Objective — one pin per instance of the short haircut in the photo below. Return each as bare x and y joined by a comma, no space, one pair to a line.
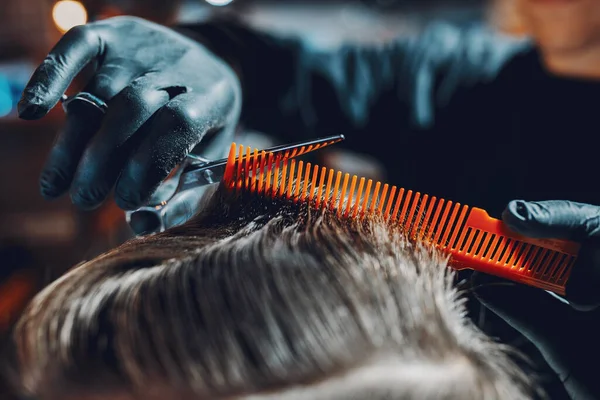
261,298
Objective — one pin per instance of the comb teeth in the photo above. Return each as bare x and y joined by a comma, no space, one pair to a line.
280,176
469,235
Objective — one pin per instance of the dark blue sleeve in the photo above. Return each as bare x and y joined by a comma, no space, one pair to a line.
369,93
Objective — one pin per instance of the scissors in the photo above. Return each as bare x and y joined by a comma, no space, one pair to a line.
196,172
190,176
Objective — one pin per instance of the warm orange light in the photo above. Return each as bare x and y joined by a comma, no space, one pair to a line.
69,13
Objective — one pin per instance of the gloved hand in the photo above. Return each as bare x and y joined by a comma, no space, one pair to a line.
166,94
566,335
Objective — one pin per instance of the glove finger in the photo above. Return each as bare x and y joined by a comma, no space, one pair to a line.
173,132
82,122
51,79
539,317
557,219
109,150
111,78
583,286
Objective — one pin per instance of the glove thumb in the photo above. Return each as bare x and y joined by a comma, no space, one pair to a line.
561,219
557,219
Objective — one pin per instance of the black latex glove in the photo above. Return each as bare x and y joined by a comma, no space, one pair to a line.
566,335
165,93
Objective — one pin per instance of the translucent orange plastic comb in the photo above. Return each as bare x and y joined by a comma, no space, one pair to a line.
470,236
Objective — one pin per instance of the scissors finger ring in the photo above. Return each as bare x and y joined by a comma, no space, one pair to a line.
85,97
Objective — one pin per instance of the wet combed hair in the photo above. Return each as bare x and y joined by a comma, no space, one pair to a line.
261,299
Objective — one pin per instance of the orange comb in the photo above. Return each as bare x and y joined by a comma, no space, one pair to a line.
470,236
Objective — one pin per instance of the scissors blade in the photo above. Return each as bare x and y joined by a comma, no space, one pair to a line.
306,146
203,175
213,172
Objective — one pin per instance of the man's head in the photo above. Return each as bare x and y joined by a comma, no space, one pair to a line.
567,32
259,299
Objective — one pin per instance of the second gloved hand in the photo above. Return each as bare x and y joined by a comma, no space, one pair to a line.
568,220
566,335
166,95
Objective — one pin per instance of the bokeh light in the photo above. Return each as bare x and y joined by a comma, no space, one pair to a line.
6,100
218,2
69,13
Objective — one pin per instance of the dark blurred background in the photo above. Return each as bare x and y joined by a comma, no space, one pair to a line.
38,239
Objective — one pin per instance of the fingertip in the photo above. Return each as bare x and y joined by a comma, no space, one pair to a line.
53,183
138,182
49,191
126,197
36,99
527,218
88,198
126,203
28,111
516,212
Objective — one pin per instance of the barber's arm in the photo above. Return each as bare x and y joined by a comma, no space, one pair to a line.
566,334
292,88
